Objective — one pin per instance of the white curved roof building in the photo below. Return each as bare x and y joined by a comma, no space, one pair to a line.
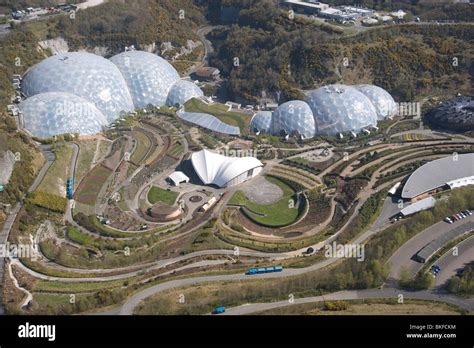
223,171
149,77
294,117
340,108
381,99
445,172
182,91
86,75
53,113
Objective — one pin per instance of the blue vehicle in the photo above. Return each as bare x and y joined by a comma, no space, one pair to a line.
251,271
262,270
69,188
436,269
219,310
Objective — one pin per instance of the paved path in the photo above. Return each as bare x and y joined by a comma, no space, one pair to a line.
355,295
7,226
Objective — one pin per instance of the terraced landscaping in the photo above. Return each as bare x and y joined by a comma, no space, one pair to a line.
300,176
89,188
143,146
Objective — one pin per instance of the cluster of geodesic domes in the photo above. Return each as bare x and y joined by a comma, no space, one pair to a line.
328,110
454,114
81,92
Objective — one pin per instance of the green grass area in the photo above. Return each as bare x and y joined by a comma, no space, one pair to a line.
85,158
55,180
157,194
142,148
90,187
276,214
238,119
208,141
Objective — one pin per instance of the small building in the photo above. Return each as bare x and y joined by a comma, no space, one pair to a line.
208,205
164,213
207,74
398,14
271,106
423,204
394,189
178,178
370,21
233,105
385,18
307,7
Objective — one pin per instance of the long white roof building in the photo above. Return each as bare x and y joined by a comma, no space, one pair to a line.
223,171
453,171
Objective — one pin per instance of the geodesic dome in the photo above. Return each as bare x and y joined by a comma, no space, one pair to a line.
340,108
262,122
294,116
149,77
86,75
182,91
53,113
456,114
380,98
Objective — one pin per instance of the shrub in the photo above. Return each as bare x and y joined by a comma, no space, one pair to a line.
49,201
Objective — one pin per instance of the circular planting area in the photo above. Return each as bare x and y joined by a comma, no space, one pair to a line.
195,199
282,209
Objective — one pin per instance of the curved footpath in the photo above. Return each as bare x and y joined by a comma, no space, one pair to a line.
356,295
402,256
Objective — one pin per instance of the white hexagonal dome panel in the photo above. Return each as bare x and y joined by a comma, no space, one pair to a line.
340,108
149,77
182,91
381,99
48,114
294,116
86,75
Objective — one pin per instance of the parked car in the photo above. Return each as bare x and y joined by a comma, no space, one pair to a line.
219,310
448,220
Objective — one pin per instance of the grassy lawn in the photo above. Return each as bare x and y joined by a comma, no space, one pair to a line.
238,119
275,214
143,145
55,180
85,158
157,194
